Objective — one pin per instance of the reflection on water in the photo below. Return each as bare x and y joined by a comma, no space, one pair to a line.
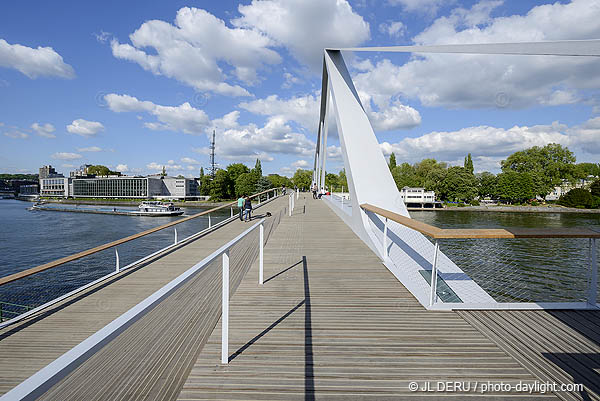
31,238
535,270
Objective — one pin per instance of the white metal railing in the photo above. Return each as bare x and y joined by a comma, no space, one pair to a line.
119,269
591,291
44,379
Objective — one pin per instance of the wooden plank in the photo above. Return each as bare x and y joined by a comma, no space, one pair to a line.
435,232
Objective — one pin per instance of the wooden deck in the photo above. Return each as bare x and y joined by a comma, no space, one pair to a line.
330,323
30,345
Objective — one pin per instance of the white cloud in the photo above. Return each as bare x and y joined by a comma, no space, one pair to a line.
68,165
306,27
90,149
123,168
66,156
192,49
154,166
490,145
16,134
45,130
43,61
300,164
290,80
184,118
251,142
85,128
395,29
169,167
189,160
473,81
302,109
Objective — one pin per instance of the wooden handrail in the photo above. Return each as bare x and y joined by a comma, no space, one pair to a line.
436,232
61,261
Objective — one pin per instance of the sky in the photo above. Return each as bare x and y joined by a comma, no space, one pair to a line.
141,84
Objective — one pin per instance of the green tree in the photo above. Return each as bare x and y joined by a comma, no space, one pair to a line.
587,169
515,186
302,179
428,173
577,197
486,184
257,169
263,184
458,185
332,181
235,170
205,185
343,180
245,184
595,188
201,173
547,166
220,185
469,164
404,175
101,170
392,161
279,181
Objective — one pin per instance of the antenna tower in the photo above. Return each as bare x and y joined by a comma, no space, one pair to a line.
213,168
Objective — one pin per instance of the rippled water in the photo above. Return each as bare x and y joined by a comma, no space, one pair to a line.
30,238
535,270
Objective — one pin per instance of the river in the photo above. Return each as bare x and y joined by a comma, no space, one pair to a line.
534,270
30,238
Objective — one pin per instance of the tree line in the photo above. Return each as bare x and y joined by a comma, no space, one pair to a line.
525,175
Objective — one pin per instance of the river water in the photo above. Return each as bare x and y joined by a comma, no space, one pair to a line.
30,238
524,270
532,270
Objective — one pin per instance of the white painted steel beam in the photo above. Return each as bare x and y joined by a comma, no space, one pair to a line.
550,48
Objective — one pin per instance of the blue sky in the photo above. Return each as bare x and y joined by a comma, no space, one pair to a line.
140,84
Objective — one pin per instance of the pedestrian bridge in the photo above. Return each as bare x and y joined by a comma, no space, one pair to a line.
330,321
319,299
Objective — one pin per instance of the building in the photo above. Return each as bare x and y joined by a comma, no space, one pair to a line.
82,171
48,172
82,185
29,190
566,186
110,187
419,198
55,187
158,187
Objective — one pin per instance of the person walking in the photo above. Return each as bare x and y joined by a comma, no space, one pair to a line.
247,209
314,190
241,201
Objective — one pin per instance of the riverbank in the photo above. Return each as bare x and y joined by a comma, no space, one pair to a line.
198,204
512,209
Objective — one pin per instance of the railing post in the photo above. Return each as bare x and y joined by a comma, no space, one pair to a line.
433,295
117,268
297,193
267,196
225,311
261,237
385,235
209,221
231,211
175,235
593,285
290,205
